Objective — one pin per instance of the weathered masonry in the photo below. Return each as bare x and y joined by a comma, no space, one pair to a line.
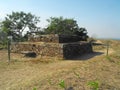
62,46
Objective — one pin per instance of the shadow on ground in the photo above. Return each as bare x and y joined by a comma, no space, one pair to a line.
86,56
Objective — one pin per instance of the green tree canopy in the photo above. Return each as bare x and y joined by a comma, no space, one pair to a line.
59,25
17,22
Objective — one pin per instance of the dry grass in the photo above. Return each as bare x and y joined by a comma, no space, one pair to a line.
45,73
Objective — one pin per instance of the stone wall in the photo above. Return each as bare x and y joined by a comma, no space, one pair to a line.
44,49
69,38
56,38
45,38
66,50
76,49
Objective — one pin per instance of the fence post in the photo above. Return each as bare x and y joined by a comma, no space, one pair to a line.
8,51
107,48
9,43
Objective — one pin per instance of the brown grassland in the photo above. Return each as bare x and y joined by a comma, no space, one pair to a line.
45,73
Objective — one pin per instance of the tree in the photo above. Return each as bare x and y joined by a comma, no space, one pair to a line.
61,26
15,23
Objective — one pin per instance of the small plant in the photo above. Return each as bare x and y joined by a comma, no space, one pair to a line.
94,85
62,84
34,88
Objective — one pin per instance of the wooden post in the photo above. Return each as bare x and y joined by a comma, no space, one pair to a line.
8,51
9,43
107,48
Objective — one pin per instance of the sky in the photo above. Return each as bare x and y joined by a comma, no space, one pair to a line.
101,18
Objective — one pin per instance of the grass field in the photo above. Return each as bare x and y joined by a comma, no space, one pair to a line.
89,72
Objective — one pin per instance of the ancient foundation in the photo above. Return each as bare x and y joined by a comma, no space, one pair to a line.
60,50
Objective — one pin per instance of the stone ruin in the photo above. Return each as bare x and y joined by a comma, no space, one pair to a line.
61,46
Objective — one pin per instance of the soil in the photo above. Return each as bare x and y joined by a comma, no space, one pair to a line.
45,73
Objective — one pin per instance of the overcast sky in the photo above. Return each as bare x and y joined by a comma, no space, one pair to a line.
101,18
